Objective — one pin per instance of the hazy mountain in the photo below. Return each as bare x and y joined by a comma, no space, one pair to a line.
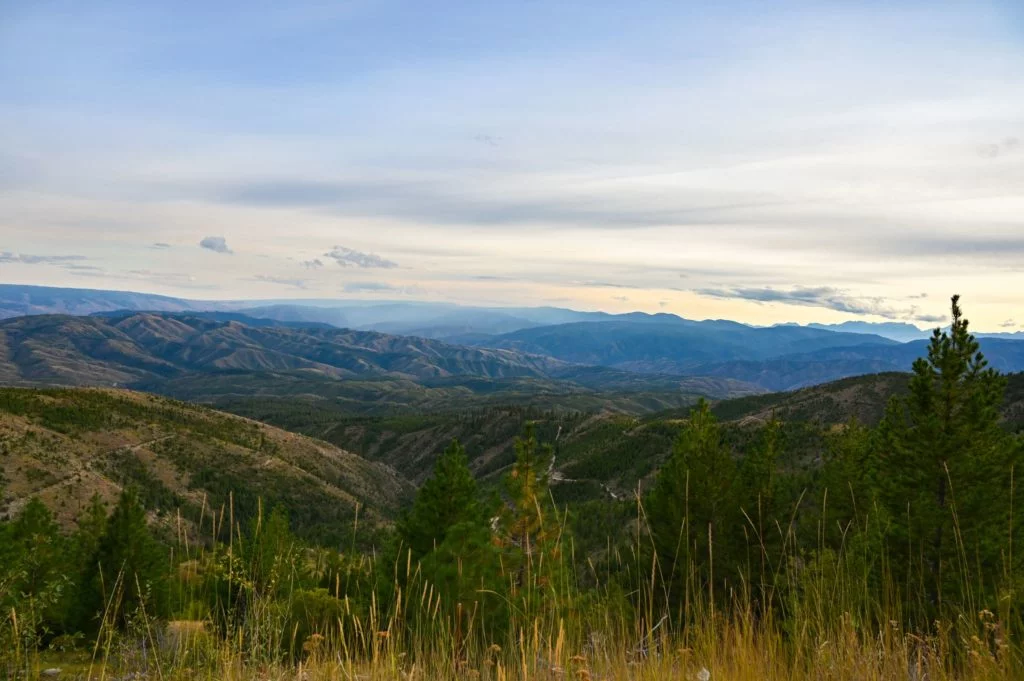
17,301
669,344
897,331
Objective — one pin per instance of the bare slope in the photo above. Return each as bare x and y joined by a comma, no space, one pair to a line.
65,445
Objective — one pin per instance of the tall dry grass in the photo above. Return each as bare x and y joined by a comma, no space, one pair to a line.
554,623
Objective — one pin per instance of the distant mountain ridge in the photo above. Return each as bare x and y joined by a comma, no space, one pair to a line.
199,354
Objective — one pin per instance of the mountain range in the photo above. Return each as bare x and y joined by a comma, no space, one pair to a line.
419,354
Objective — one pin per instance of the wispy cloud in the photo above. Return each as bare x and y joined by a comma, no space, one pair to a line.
1009,324
368,287
27,259
348,257
283,281
217,244
313,264
824,297
160,246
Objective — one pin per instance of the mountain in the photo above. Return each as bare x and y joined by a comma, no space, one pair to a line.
897,331
64,445
669,344
18,301
426,319
202,357
93,350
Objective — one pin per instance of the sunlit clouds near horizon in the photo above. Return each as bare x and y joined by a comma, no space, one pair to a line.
764,162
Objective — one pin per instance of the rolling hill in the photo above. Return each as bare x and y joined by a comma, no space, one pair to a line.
64,445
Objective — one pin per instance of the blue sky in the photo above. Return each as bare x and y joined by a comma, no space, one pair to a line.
757,161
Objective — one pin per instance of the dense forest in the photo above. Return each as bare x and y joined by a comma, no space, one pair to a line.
888,551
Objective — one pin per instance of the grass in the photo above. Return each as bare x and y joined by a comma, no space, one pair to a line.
242,618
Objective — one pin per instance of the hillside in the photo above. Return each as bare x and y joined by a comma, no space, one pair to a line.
803,369
599,453
861,397
66,445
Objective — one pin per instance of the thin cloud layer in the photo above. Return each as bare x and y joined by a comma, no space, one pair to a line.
348,257
823,297
283,281
27,259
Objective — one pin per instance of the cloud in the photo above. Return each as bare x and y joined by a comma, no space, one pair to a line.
621,299
1009,324
1005,146
348,257
26,259
821,296
662,303
368,287
216,244
283,281
437,203
313,264
159,245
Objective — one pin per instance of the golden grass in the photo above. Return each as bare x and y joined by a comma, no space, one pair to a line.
570,633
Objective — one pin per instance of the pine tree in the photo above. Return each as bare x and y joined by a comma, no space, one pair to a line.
39,547
131,565
692,502
269,550
33,577
447,498
756,492
949,475
92,526
531,531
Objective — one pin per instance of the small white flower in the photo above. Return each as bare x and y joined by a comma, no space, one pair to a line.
703,674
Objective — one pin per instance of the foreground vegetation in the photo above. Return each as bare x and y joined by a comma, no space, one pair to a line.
893,557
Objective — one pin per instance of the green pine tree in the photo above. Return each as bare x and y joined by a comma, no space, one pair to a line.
447,498
948,475
131,566
692,504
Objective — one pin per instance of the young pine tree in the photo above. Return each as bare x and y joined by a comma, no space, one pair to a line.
692,504
949,486
446,499
130,566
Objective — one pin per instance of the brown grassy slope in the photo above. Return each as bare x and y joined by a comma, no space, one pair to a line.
65,445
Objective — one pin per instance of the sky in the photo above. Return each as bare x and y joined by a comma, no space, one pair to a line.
764,162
